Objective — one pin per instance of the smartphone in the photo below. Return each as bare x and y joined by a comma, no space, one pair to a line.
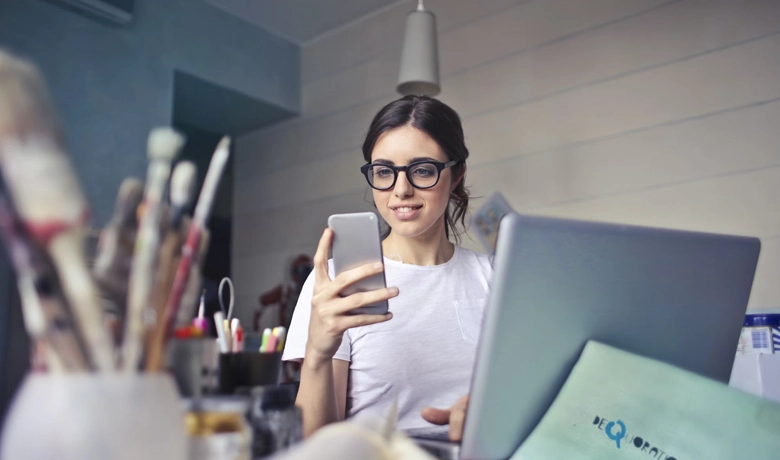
356,242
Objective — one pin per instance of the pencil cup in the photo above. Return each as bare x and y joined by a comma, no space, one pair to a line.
195,365
242,371
95,417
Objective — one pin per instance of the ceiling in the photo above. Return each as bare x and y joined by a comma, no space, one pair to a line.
301,21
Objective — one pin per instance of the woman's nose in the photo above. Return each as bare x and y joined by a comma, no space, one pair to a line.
402,186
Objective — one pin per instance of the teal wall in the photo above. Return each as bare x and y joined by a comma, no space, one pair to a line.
113,84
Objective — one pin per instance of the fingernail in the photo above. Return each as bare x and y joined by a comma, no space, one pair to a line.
393,291
378,265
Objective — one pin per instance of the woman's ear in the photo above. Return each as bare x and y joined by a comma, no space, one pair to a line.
461,177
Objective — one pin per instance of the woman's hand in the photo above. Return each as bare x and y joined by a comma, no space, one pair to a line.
454,416
330,315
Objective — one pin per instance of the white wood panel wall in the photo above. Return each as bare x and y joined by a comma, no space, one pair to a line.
663,113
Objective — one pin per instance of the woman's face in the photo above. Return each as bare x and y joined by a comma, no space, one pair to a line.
412,212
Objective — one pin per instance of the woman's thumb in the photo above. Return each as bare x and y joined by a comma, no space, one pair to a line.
436,416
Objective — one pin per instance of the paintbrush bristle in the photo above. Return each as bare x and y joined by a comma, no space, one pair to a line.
25,106
164,144
224,144
182,182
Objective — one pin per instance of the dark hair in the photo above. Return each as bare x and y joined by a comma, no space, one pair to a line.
442,124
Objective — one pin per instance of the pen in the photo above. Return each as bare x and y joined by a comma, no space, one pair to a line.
238,338
228,333
281,334
266,338
271,345
200,321
222,342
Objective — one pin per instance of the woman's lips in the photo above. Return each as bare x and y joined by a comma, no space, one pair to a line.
406,212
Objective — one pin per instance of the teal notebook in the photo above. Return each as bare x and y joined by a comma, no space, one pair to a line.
616,405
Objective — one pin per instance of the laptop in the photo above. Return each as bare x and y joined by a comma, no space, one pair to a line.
675,296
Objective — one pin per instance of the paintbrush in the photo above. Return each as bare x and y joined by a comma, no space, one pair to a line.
182,188
46,316
182,191
189,298
115,246
46,195
164,145
192,244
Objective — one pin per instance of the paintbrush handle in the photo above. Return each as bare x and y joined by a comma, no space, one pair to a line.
45,319
165,273
211,183
182,275
191,296
48,199
111,268
164,329
68,256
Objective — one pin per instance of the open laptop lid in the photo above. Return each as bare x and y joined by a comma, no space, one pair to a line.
679,297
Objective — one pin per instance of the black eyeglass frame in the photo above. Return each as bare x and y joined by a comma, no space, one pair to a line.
396,169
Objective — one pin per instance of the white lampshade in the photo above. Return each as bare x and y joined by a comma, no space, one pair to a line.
419,73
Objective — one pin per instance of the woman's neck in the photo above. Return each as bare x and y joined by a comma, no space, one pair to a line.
431,248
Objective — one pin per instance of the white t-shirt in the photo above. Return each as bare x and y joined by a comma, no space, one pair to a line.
426,352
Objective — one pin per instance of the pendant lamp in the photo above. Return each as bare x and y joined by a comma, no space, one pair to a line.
419,74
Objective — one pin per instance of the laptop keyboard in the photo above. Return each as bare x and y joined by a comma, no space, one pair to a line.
435,433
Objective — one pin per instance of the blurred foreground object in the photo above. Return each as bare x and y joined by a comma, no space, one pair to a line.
45,192
364,437
92,416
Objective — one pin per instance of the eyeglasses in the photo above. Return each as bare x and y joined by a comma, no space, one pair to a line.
421,174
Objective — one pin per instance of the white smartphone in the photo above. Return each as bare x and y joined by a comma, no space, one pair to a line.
356,242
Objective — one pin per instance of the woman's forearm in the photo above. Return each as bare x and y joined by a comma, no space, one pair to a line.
317,395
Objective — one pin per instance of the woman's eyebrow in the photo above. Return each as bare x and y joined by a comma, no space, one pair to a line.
415,160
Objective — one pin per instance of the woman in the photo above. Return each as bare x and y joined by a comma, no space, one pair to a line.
423,349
